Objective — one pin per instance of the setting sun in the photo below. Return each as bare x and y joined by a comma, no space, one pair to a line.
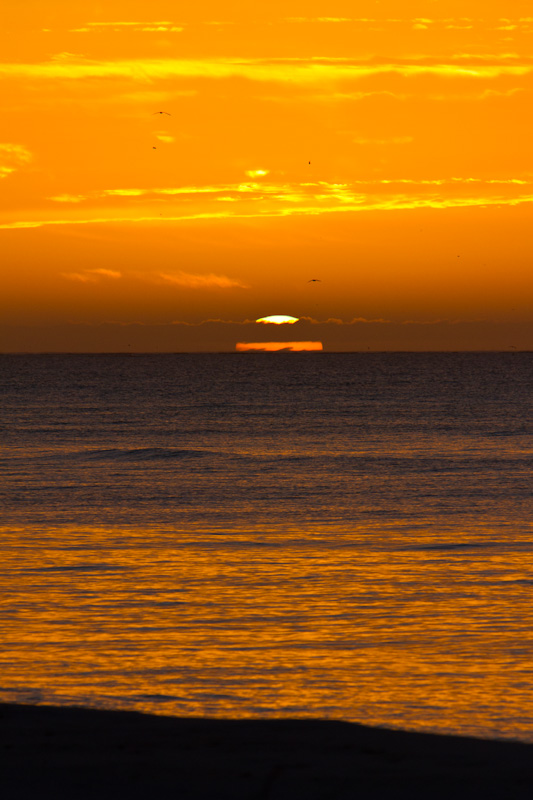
278,319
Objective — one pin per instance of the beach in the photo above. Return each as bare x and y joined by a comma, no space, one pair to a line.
59,752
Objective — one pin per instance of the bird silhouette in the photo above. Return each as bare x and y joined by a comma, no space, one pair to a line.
162,112
314,280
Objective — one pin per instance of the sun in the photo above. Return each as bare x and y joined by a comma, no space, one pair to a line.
278,319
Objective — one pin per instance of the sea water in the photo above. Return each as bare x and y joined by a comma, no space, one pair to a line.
279,534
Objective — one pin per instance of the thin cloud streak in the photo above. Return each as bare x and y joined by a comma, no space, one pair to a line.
391,203
81,277
309,70
128,27
106,273
68,198
91,275
178,278
521,24
365,192
200,281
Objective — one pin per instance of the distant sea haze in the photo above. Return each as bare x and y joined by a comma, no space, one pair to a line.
283,535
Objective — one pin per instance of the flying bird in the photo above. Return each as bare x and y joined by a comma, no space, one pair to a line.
161,112
314,280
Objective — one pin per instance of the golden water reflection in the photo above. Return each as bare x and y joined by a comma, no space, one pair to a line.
424,634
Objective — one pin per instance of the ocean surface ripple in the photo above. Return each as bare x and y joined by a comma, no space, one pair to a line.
291,534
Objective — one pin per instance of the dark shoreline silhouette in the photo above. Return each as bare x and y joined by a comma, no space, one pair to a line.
84,754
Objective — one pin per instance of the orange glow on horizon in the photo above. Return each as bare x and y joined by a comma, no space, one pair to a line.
274,347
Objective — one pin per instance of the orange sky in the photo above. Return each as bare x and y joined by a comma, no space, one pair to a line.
415,210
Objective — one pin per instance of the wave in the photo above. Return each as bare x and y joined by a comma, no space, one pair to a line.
460,546
147,454
112,454
78,568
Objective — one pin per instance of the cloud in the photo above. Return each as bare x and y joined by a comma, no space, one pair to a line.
178,278
518,24
307,191
17,152
254,200
256,173
106,273
124,192
281,70
164,26
201,281
163,136
128,24
469,97
82,277
91,275
68,198
247,189
12,158
397,202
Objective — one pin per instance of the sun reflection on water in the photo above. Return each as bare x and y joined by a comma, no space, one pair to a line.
352,625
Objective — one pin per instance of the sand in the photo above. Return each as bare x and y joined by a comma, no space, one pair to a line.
74,754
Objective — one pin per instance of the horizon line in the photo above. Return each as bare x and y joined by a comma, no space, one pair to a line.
366,351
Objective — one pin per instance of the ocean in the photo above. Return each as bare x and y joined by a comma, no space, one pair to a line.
324,535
